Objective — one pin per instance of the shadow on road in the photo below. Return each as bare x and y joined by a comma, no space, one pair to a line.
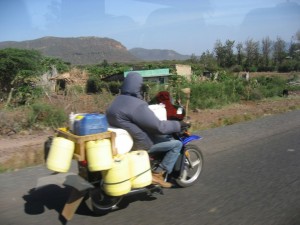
54,197
51,197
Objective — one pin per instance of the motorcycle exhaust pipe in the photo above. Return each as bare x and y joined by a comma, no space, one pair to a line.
149,190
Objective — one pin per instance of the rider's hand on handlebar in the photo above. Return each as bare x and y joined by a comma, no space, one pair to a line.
184,125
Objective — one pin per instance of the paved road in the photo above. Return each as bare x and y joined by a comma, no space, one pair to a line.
251,177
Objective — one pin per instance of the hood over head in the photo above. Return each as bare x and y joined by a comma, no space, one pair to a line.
132,85
163,96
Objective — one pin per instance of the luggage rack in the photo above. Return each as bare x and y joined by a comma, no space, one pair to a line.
79,153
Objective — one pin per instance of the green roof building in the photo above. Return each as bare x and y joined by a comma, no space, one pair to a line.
156,75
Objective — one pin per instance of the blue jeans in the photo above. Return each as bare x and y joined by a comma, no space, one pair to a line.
172,148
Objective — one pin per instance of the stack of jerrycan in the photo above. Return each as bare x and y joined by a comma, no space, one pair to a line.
121,173
130,170
60,154
62,150
86,124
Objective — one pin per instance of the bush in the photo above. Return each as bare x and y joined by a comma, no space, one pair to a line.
17,65
236,68
253,69
13,120
208,95
265,69
113,87
264,87
26,94
254,94
92,86
47,115
288,66
271,86
75,90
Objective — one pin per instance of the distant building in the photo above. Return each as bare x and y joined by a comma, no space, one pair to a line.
160,76
61,82
184,70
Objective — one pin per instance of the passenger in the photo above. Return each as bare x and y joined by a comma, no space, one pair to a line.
174,111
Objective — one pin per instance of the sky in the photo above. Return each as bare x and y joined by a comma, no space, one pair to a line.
185,26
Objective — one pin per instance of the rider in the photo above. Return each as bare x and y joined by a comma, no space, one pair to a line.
130,112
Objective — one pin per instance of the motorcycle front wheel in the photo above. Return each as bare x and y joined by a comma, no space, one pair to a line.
192,168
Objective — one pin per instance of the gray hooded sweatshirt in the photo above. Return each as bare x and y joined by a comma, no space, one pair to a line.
128,111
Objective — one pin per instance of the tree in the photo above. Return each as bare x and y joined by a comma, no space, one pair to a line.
266,51
60,65
279,51
229,56
252,53
208,61
298,35
294,50
104,63
193,58
240,55
18,64
224,53
219,52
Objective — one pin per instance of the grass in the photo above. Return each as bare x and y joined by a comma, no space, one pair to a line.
34,154
54,109
236,113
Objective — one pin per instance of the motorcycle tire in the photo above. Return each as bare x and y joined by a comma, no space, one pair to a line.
192,167
100,203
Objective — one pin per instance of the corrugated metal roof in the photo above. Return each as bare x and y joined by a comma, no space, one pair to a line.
151,73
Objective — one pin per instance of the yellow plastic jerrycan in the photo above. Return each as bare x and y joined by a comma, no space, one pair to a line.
140,169
117,179
99,155
60,154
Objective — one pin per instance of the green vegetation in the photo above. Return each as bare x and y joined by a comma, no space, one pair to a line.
47,115
17,65
229,88
22,70
26,105
49,62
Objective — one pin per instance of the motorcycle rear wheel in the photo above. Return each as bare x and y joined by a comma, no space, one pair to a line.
192,167
100,203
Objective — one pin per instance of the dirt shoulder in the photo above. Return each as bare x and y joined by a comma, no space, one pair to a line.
234,113
21,150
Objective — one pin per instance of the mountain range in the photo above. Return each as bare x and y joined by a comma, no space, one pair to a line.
92,50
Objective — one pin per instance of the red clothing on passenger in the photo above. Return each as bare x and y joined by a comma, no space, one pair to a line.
164,97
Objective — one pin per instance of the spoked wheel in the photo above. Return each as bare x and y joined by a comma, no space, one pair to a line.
192,166
100,203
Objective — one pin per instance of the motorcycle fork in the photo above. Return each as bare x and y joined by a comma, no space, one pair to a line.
185,156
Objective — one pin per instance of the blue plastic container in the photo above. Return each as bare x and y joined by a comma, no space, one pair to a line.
90,124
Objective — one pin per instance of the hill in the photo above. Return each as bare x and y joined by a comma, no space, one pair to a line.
92,50
157,54
81,50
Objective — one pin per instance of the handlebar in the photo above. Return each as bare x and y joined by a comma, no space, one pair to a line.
185,126
184,130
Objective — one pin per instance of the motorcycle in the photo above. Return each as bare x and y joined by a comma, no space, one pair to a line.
185,173
88,187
